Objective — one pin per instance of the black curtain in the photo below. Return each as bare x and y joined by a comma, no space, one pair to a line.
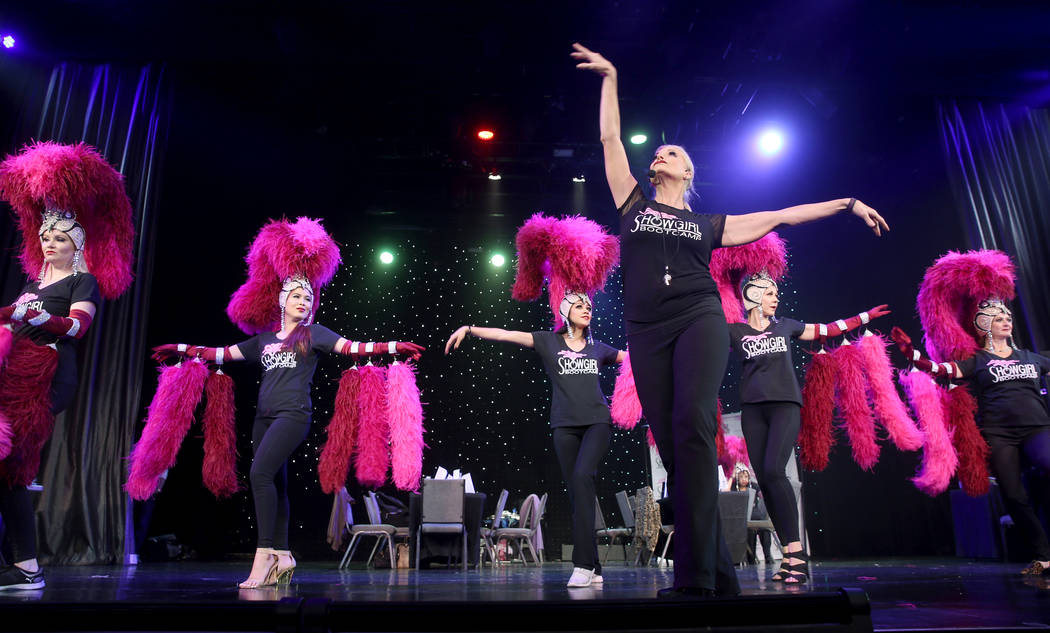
124,113
999,163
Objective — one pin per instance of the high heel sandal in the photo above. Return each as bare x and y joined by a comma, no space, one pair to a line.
798,573
284,575
785,569
269,579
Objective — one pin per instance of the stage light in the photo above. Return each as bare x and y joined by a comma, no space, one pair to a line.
486,135
494,175
770,142
498,260
638,139
579,178
9,41
386,257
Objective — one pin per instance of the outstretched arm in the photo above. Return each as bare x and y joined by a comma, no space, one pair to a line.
748,227
617,168
814,330
218,355
360,350
73,326
903,341
491,333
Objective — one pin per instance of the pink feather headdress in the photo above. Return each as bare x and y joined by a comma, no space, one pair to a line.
949,294
732,265
281,250
574,254
49,177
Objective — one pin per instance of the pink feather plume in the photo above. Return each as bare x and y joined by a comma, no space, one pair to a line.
730,265
7,341
649,439
735,452
970,447
575,253
405,413
948,297
279,250
168,419
219,470
6,440
372,456
852,400
25,386
939,460
626,409
74,178
889,409
815,438
338,449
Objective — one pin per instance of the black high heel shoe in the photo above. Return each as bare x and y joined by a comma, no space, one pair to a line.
798,573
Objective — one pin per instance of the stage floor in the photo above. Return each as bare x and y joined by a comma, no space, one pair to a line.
904,594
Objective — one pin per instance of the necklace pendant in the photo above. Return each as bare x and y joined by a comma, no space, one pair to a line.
667,279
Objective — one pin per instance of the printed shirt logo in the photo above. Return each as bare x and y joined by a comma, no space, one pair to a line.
653,221
762,344
28,299
571,362
1003,370
274,357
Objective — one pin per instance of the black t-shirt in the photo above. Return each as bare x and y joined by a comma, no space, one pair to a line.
287,376
576,396
1008,388
653,235
768,371
56,300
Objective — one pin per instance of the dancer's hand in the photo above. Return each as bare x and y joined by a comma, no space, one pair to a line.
410,349
902,340
456,338
871,217
166,352
590,60
878,311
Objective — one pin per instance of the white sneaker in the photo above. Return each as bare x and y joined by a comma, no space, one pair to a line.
596,579
580,577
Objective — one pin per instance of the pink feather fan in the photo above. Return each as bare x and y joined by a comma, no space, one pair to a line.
626,409
735,452
574,253
219,470
282,249
970,448
852,400
889,409
72,178
25,386
405,412
168,419
948,297
338,449
939,460
372,455
730,265
815,437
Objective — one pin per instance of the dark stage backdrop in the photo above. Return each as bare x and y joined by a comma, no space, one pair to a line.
123,112
242,152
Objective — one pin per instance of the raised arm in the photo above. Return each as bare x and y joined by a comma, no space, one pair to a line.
903,341
490,333
813,330
748,227
617,168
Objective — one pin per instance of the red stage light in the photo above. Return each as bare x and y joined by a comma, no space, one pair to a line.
486,135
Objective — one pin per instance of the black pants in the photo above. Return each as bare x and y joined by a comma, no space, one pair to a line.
1008,446
274,438
678,368
771,431
16,505
765,539
580,450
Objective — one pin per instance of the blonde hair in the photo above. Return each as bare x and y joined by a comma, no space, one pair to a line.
690,191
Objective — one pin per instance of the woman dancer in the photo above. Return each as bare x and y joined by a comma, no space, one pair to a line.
48,185
288,358
579,414
676,327
1011,415
771,403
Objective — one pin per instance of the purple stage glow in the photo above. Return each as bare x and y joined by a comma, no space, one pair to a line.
770,142
9,41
